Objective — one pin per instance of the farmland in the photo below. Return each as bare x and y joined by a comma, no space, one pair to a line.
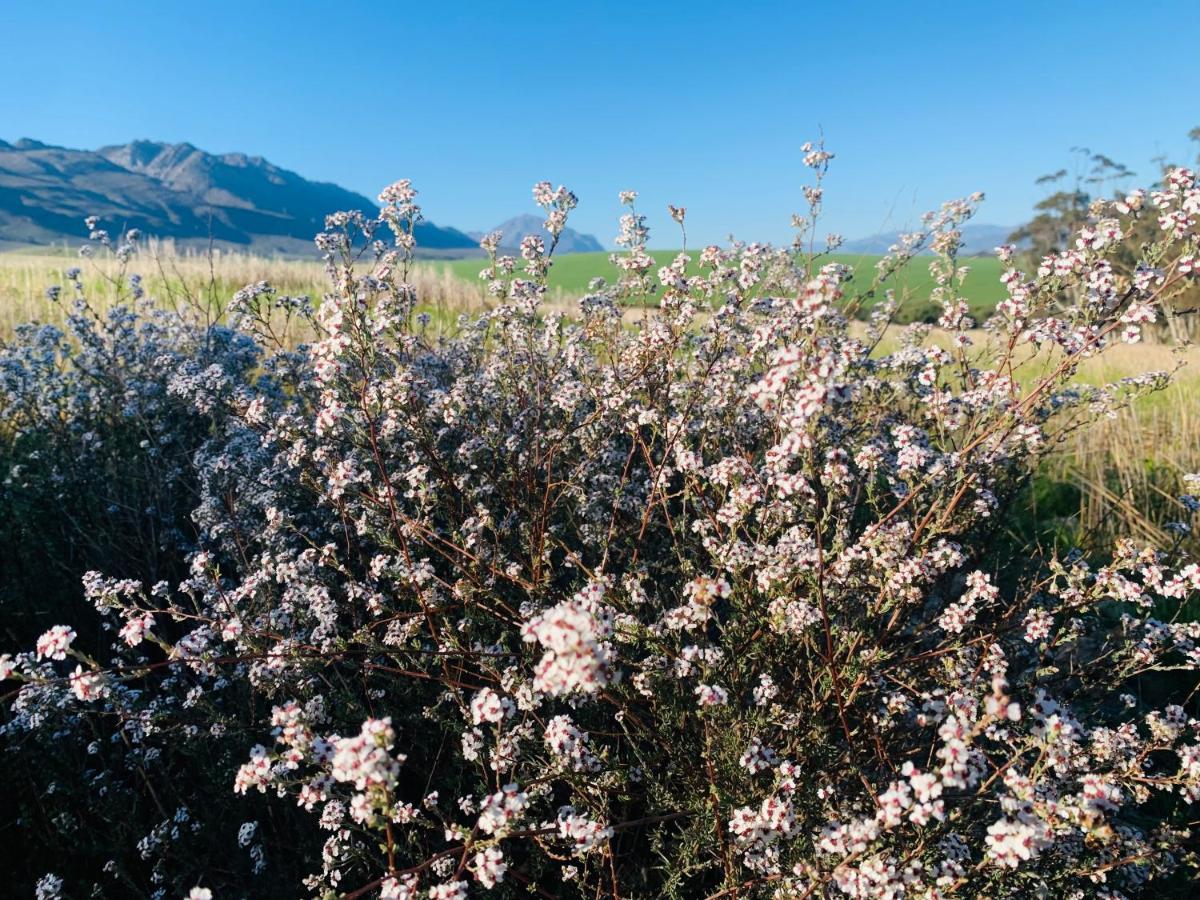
571,274
445,287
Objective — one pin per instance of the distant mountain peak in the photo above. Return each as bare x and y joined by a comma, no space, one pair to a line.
516,229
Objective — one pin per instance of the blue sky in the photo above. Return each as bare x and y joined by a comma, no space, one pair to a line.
699,104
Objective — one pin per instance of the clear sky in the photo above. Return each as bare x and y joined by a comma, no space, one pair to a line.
703,104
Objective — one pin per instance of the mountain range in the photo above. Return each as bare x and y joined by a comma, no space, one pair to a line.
978,240
177,191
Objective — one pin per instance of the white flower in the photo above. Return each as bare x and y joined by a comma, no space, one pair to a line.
711,695
489,866
451,890
55,643
488,706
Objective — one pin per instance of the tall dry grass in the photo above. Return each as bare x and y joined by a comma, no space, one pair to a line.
1121,476
1127,471
174,276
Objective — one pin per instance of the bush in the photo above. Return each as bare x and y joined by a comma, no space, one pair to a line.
100,426
713,604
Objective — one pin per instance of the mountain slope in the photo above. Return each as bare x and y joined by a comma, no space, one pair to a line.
46,192
177,191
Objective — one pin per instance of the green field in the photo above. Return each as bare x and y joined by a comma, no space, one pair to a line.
453,284
571,273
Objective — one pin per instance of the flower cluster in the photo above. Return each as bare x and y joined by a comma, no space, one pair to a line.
572,633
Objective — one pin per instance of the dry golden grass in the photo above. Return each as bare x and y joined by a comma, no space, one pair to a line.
172,277
1128,470
1122,475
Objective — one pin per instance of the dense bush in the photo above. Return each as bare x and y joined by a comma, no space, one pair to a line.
717,602
100,430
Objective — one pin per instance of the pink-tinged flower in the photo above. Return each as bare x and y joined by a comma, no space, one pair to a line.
364,760
1038,625
255,774
451,890
231,629
577,657
758,757
135,629
402,887
489,867
584,833
488,706
398,192
711,695
502,808
55,643
1011,842
570,745
87,686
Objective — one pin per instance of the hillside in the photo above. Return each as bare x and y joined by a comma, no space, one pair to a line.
176,191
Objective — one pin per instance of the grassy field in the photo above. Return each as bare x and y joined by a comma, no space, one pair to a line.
174,278
570,275
444,286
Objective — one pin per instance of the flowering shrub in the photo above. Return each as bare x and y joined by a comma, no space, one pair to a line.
719,603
